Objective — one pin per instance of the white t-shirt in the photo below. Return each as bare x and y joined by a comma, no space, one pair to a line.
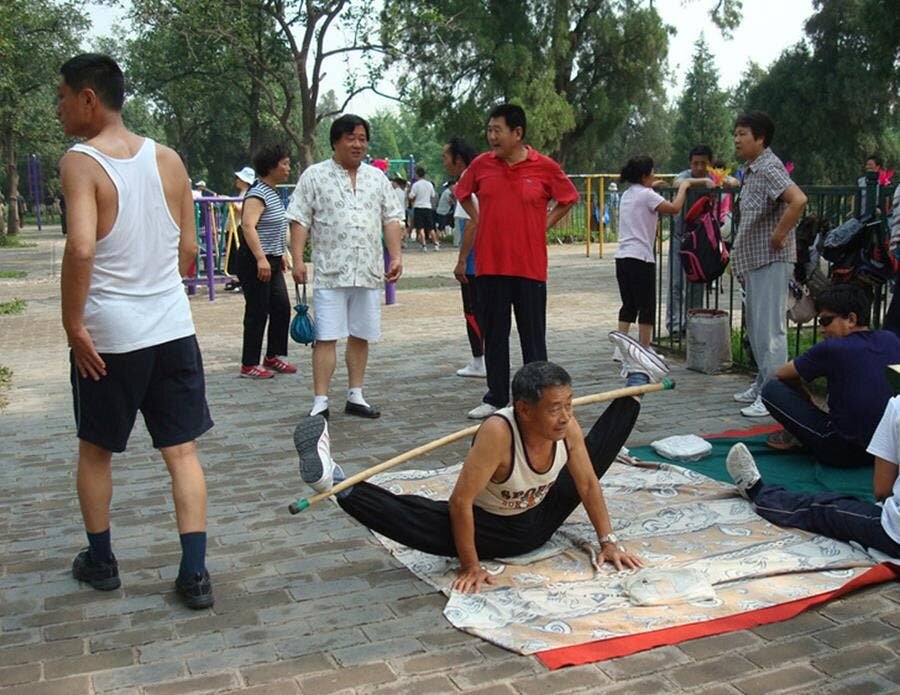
637,222
421,193
884,445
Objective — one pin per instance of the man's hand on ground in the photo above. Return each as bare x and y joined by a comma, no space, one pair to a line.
87,360
471,581
618,556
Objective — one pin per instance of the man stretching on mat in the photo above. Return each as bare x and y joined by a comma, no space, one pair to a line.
529,467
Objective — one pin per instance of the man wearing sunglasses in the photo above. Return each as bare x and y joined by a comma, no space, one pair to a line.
852,359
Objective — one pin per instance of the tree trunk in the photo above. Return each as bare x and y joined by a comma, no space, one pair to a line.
12,178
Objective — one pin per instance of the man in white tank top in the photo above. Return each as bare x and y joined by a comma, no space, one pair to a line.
131,237
529,467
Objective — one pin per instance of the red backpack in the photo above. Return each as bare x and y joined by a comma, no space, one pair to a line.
704,255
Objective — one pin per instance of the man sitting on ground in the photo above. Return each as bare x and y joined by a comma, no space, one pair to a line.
833,514
852,359
527,470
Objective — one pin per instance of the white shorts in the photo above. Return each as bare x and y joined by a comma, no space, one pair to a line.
343,311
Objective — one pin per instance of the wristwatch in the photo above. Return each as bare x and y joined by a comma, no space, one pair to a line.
609,538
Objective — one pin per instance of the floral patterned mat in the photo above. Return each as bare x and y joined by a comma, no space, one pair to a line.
692,533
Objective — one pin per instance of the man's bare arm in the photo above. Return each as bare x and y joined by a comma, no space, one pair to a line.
557,213
79,189
883,478
796,200
465,247
490,447
393,239
588,488
298,236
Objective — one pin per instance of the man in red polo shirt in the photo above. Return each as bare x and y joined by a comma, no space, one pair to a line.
514,185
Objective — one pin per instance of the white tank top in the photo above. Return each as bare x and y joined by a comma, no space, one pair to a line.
136,297
524,487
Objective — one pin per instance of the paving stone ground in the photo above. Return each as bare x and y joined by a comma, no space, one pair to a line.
311,604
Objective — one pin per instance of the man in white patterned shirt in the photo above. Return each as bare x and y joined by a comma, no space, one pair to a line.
770,205
345,205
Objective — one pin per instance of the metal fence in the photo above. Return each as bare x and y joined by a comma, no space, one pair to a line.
594,222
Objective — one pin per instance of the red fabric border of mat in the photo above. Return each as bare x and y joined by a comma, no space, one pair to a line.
613,647
753,431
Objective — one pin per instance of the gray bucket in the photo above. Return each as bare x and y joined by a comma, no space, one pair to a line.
708,340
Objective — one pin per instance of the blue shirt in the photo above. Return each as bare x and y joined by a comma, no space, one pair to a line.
858,389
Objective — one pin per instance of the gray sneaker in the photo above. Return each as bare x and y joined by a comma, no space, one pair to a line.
637,358
313,447
742,468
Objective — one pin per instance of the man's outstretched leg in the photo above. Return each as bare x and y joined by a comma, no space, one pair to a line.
416,522
829,514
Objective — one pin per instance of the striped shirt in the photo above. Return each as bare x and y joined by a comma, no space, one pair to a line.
272,224
761,207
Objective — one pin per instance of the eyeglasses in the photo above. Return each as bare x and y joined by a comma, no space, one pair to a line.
825,321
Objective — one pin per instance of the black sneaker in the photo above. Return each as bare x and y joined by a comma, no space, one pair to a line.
103,576
195,591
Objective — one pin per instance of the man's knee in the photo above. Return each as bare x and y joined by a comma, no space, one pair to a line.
775,390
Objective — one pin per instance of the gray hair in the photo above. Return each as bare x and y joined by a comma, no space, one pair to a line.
530,381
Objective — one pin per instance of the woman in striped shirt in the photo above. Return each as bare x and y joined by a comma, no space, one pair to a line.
261,266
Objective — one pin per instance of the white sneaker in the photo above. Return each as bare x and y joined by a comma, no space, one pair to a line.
617,354
482,411
314,448
638,358
755,409
748,396
474,368
742,468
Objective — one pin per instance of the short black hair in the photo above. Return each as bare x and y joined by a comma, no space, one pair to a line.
98,72
347,124
420,172
700,151
875,158
530,381
636,169
266,157
843,300
460,149
513,114
759,123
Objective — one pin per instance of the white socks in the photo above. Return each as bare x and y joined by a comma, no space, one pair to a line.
355,396
320,403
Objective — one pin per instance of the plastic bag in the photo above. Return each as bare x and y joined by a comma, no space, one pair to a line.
682,447
666,587
303,330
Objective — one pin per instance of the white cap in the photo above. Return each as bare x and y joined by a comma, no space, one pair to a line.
200,184
247,175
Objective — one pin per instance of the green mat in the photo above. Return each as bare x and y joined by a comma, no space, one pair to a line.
792,470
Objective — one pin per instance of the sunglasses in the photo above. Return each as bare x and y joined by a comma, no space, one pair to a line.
826,320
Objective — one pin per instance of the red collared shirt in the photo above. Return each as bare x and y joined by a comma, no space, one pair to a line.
512,211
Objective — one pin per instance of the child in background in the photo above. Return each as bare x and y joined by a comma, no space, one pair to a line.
639,212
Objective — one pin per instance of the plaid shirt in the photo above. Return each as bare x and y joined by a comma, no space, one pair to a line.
765,179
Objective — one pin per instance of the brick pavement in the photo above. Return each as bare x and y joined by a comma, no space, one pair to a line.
311,604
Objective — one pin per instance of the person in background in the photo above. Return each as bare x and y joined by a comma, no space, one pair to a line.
514,185
458,154
261,266
347,207
421,194
243,179
765,249
639,212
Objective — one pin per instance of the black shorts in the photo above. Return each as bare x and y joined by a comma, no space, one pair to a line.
165,382
637,287
423,218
